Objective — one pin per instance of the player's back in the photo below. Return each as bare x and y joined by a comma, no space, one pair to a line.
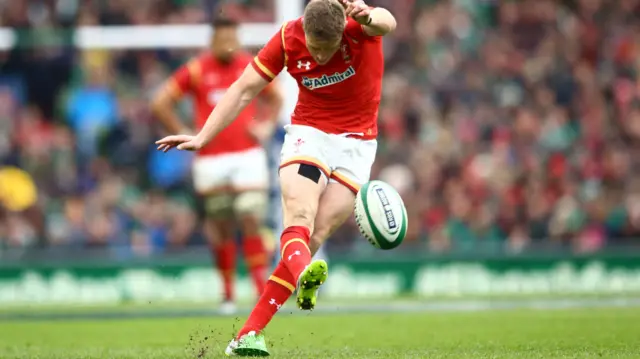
343,95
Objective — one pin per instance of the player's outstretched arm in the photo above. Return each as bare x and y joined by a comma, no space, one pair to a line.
237,97
375,21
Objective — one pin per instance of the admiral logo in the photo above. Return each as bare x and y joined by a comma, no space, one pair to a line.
391,219
324,81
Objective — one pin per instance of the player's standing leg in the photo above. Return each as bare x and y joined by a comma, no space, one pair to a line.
251,182
211,182
275,203
220,233
255,254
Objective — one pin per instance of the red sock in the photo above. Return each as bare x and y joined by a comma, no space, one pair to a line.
225,257
278,289
256,258
294,247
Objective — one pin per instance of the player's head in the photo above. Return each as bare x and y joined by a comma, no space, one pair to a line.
224,42
324,23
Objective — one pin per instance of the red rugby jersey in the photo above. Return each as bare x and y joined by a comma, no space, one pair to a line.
339,97
206,79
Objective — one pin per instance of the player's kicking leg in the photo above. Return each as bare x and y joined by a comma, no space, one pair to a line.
336,205
332,206
300,208
302,185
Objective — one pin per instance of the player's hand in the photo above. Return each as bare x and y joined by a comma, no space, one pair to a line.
358,10
262,131
180,142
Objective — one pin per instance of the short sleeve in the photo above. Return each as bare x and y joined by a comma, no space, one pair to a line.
182,81
356,30
270,61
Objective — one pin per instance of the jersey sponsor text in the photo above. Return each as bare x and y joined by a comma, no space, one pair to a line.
327,80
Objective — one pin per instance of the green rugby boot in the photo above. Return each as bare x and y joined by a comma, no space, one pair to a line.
309,282
249,345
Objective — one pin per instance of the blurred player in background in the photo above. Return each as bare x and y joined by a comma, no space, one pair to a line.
231,174
335,54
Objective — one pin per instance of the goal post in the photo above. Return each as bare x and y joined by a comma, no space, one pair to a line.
145,36
163,36
168,36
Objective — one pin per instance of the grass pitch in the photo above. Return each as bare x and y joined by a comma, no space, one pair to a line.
566,333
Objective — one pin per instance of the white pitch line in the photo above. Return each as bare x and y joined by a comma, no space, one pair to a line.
393,307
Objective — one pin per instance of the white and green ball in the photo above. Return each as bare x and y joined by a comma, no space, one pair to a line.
381,215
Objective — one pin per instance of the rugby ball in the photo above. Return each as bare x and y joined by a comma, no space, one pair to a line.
381,215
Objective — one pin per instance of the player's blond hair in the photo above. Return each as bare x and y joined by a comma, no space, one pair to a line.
324,19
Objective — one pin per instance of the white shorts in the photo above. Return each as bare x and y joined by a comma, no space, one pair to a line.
240,170
341,158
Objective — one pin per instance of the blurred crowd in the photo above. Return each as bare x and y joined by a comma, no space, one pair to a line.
507,126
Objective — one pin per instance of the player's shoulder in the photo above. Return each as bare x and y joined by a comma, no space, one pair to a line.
355,30
292,31
195,65
293,40
294,26
202,59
